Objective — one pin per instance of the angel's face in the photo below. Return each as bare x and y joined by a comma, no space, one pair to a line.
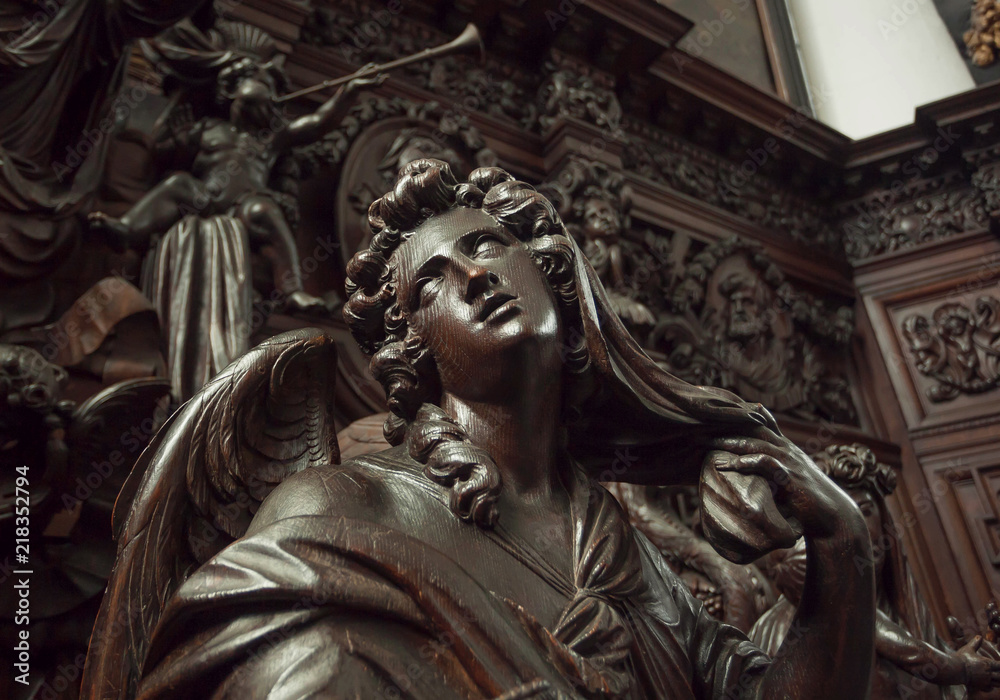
472,292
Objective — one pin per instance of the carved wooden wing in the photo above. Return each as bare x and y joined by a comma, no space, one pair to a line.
197,486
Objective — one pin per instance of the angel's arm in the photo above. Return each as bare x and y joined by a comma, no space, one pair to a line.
833,633
897,645
966,666
313,127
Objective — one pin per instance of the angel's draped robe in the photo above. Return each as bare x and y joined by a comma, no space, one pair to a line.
350,583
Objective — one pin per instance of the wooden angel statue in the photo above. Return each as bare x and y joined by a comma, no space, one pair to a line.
478,556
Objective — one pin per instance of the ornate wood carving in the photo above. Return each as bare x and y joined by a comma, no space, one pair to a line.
737,188
360,33
594,203
986,176
734,593
72,459
496,348
734,322
982,39
573,89
958,346
925,211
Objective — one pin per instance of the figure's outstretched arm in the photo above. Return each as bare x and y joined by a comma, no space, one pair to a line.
832,636
313,127
963,667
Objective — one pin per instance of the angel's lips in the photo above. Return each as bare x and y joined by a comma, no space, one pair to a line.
494,303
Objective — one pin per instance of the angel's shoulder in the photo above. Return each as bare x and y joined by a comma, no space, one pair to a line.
359,487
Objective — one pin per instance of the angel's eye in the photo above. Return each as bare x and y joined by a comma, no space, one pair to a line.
427,284
488,246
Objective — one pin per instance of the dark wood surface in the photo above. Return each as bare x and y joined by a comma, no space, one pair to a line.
888,228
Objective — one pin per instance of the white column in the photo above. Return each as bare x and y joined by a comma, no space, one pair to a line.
870,63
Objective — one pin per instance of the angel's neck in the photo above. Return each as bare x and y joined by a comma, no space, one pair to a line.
522,437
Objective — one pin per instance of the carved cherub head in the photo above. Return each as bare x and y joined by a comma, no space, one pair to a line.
601,219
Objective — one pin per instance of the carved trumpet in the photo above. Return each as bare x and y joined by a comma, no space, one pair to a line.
467,42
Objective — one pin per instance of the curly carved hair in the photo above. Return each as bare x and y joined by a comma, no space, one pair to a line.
401,362
855,466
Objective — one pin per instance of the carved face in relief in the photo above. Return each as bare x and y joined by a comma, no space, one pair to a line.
922,343
251,87
600,219
744,317
955,324
483,307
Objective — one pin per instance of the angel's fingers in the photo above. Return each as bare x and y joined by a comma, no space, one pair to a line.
757,464
747,446
768,435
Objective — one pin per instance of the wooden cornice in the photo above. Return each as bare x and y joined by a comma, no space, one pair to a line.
649,19
750,105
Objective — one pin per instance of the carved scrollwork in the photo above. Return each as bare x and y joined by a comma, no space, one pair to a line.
883,223
737,324
958,346
580,92
716,182
987,180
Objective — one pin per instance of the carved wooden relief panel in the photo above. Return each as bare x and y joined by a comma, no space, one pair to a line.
732,320
945,351
964,488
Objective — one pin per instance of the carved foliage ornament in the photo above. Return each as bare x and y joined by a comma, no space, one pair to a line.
721,184
886,222
982,39
578,91
987,180
855,466
957,346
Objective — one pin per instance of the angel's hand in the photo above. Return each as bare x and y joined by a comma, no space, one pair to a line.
981,672
356,84
802,492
